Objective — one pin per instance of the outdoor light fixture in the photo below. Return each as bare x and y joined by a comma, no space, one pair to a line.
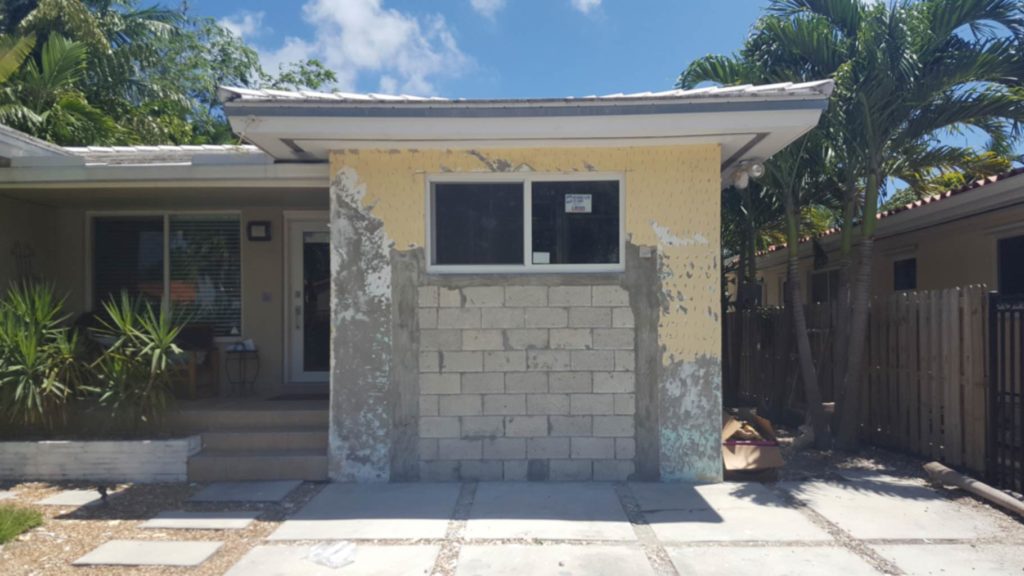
745,171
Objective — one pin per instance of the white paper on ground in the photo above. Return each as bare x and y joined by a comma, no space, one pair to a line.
334,554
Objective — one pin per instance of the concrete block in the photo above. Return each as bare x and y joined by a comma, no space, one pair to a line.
593,448
610,296
546,318
613,470
623,318
72,498
440,340
429,405
526,426
625,448
462,361
614,382
574,382
625,360
428,448
505,361
371,560
439,471
188,520
504,404
502,318
461,405
625,404
597,404
459,449
272,491
571,425
547,404
515,470
622,426
526,296
594,559
593,360
588,317
570,470
571,338
144,553
439,427
483,296
569,296
483,383
426,296
482,340
430,362
547,448
480,470
483,426
548,360
449,298
427,318
504,448
440,384
526,382
461,318
526,338
614,339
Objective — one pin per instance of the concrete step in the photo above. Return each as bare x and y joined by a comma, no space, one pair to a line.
232,466
198,421
262,440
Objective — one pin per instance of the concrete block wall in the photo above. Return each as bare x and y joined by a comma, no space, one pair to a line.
100,460
526,383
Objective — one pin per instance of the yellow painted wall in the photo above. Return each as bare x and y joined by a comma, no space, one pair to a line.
672,202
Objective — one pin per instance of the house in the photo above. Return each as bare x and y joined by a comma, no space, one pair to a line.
492,289
971,235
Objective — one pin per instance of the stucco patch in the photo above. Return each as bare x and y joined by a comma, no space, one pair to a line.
691,400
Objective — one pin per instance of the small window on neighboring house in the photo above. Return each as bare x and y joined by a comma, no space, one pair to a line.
904,274
824,286
526,225
1011,265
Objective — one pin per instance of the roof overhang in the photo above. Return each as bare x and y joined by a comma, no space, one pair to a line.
165,176
749,123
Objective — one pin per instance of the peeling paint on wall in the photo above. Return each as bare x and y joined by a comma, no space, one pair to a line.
691,392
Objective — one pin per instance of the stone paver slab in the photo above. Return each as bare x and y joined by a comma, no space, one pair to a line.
769,561
271,491
880,507
142,553
369,560
4,495
947,559
550,511
722,512
368,511
73,498
186,520
552,560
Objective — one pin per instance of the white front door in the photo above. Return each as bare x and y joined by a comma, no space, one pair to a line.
308,304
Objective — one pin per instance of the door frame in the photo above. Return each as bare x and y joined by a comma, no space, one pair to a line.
292,370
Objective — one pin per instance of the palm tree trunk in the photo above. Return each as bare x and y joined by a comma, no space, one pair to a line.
849,421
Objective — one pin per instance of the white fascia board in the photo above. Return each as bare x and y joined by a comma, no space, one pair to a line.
167,176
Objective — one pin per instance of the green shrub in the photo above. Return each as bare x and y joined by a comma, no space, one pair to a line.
135,371
14,521
40,367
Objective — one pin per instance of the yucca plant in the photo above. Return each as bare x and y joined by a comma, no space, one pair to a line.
135,372
40,368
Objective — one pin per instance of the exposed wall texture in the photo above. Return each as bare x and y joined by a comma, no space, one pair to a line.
631,359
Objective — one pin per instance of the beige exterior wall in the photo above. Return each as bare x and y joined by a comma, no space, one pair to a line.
25,228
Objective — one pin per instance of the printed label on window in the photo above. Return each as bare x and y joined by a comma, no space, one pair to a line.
578,204
542,258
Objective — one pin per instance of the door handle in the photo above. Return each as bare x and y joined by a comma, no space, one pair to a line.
298,317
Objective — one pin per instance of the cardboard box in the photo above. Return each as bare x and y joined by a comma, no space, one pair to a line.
750,454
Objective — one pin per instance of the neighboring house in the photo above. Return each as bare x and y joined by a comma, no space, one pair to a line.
517,289
972,235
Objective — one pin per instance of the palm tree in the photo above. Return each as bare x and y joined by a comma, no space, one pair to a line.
13,52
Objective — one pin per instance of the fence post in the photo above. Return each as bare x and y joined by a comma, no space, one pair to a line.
993,384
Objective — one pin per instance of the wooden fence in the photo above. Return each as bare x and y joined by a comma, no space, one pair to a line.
924,386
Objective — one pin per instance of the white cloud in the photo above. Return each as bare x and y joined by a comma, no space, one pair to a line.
356,37
586,6
244,24
487,8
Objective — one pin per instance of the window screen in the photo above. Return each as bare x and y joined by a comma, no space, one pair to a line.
128,255
824,287
1011,265
478,223
904,274
576,222
205,282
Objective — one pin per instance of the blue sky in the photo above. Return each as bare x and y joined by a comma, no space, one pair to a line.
491,48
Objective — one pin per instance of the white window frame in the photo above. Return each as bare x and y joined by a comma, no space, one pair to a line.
91,215
527,180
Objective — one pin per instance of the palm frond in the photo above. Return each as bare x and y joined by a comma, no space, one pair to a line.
13,52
